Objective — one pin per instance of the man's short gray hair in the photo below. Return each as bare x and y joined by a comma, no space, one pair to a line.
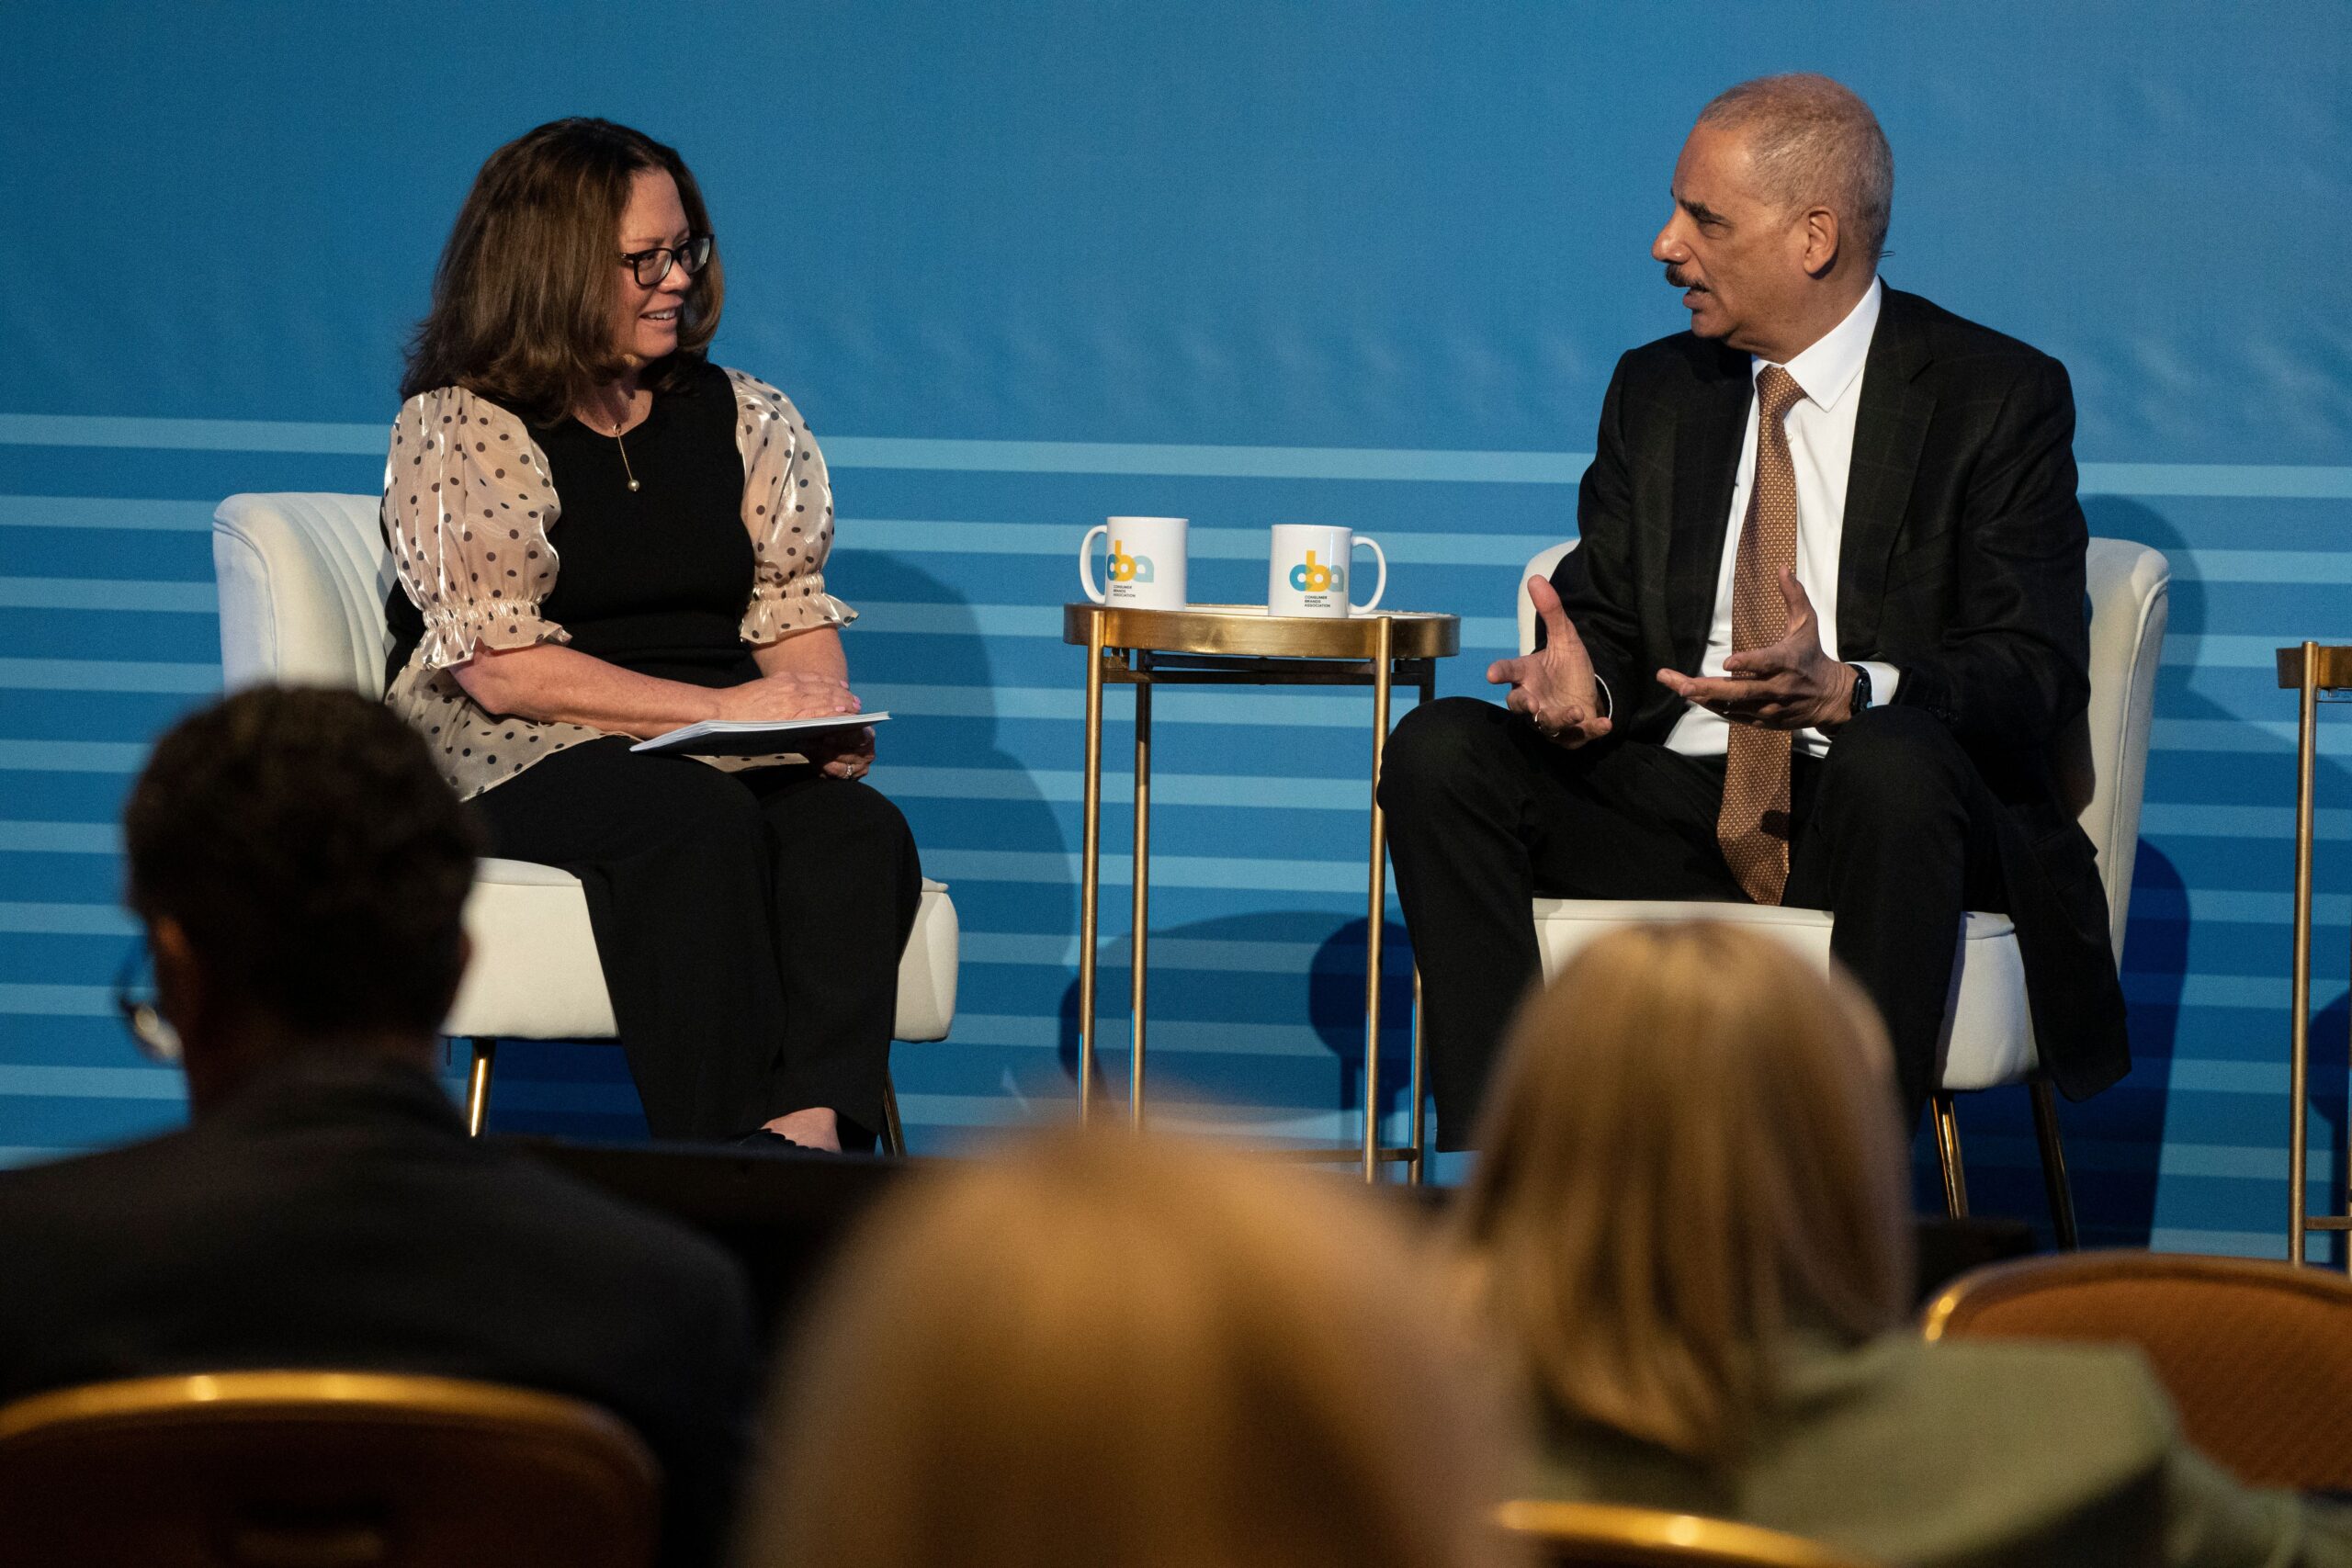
1814,142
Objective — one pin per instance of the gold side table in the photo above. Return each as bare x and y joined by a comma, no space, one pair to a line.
2313,670
1241,645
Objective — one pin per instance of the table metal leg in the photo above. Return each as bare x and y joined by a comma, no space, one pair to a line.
1421,1132
1089,881
1421,1127
1382,645
2300,1004
1142,914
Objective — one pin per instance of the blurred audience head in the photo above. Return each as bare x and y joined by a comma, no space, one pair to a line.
1691,1149
1104,1352
300,869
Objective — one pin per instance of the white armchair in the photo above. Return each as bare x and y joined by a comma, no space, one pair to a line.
302,582
2103,765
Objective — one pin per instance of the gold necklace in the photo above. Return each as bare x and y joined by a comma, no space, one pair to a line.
624,446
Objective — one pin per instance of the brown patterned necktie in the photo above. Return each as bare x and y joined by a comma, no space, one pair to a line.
1753,826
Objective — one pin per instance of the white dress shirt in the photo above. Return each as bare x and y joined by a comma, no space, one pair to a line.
1820,448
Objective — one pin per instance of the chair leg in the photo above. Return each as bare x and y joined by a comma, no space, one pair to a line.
894,1135
1948,1156
2053,1165
478,1084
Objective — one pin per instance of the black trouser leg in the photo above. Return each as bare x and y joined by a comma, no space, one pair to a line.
1898,845
847,885
1483,814
677,860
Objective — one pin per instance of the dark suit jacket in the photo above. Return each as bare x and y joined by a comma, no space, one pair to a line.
336,1215
1960,565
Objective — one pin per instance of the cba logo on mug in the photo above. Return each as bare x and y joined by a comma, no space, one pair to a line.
1315,578
1125,567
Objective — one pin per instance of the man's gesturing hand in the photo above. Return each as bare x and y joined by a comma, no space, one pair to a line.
1554,686
1788,685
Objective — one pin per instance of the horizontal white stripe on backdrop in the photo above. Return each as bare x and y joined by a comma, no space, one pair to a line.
1050,539
2330,912
107,593
1406,464
94,1083
61,838
102,512
1247,790
2221,1244
66,919
1281,1126
107,675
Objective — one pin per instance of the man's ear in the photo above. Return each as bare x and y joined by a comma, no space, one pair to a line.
179,976
1822,238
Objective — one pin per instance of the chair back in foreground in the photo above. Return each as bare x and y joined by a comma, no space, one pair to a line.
1604,1535
2256,1355
309,1468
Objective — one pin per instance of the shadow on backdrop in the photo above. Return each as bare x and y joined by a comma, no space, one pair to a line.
2116,1140
1213,983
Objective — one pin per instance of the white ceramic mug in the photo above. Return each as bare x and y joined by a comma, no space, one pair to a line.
1144,563
1307,573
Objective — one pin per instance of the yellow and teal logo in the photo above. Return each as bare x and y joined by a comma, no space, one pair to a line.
1125,567
1312,576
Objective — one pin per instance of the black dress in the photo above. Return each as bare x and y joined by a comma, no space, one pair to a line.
749,923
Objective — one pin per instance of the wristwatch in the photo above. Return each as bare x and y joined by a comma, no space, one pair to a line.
1861,699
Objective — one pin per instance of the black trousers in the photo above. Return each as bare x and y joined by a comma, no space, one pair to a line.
1894,833
748,925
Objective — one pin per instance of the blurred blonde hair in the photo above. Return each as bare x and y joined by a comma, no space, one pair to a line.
1110,1352
1691,1147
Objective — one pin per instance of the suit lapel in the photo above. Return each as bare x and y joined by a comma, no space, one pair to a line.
1890,428
1706,461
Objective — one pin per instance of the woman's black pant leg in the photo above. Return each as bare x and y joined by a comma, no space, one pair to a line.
677,860
847,882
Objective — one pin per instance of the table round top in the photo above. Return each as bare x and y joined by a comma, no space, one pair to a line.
1246,631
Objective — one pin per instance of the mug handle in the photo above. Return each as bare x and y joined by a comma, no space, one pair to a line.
1380,584
1086,561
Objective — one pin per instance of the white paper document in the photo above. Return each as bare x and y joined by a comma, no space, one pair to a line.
750,738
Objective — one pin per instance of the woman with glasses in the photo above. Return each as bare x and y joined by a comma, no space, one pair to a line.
602,536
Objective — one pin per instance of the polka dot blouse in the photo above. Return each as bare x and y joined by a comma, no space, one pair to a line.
463,477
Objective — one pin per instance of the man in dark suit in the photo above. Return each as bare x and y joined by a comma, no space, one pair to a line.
299,868
1824,623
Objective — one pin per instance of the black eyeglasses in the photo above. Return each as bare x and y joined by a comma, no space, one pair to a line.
134,997
651,266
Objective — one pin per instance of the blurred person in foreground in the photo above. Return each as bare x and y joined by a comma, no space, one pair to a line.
1101,1352
1692,1220
298,868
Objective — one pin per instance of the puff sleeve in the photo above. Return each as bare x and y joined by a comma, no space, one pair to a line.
468,503
788,510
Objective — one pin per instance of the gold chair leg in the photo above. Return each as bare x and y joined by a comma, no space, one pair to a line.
894,1136
1948,1156
478,1084
2053,1165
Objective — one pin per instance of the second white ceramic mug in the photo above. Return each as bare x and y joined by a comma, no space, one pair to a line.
1307,573
1144,564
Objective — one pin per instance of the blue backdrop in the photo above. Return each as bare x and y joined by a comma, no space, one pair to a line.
1023,266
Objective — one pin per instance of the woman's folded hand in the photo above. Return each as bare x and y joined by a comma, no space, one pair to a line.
786,694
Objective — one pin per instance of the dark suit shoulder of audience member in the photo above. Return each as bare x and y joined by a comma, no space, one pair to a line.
299,871
334,1214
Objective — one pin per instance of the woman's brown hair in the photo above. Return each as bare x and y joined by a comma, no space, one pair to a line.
528,286
1691,1149
1098,1351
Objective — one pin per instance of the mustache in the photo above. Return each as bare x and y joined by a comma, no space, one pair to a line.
1676,276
